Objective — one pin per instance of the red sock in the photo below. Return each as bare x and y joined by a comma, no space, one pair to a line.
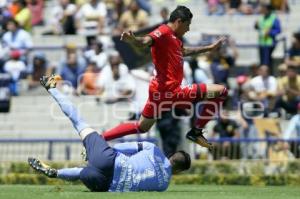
121,130
209,110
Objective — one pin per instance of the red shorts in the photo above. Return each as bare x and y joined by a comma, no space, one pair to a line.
183,97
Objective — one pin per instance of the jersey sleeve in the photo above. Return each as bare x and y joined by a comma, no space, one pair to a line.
133,147
148,146
127,147
156,35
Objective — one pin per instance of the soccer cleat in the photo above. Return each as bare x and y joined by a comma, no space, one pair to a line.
50,81
42,167
196,135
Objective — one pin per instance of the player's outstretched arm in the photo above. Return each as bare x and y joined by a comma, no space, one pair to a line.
142,42
188,51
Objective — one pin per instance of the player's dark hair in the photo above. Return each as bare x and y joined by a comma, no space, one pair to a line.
181,12
182,160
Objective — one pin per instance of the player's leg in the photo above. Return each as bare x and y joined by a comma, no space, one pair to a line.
70,174
98,174
215,95
211,97
66,105
127,128
43,168
68,109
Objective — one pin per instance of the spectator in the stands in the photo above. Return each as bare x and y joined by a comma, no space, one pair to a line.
88,82
38,68
144,4
5,15
119,8
238,93
293,131
71,70
36,8
263,88
229,51
293,57
169,129
234,6
71,48
217,63
249,150
246,7
226,128
90,19
253,70
62,19
282,68
14,66
134,18
17,38
281,5
97,55
198,74
4,54
23,16
268,27
219,66
112,13
216,7
289,91
164,14
203,63
13,8
115,83
247,111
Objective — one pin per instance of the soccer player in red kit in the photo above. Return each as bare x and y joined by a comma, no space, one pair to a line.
165,90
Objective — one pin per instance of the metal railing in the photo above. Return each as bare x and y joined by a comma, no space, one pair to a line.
224,148
48,149
255,148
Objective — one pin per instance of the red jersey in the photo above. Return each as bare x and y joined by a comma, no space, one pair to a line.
167,57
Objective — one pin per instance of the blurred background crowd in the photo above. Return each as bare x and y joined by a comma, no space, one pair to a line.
78,39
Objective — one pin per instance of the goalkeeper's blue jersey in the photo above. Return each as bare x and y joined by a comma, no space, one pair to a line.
146,170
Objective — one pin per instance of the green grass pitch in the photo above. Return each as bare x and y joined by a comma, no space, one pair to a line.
174,191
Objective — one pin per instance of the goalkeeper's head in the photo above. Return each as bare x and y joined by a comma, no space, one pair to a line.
180,161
